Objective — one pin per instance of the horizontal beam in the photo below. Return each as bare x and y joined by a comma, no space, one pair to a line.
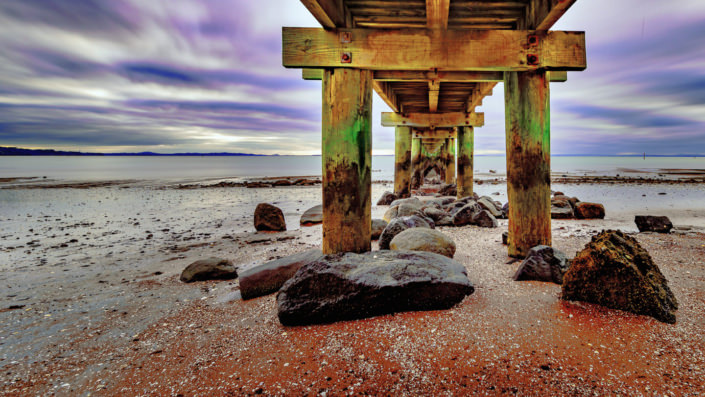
463,50
433,120
555,76
435,134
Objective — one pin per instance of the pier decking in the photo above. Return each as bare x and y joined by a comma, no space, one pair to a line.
433,62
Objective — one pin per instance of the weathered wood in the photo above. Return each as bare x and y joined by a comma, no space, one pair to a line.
555,76
414,49
450,161
402,161
330,14
542,14
527,116
347,157
435,134
384,90
434,88
416,177
466,138
433,119
481,90
437,14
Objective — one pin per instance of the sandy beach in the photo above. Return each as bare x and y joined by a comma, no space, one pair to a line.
92,303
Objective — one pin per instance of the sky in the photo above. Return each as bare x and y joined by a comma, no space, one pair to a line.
205,76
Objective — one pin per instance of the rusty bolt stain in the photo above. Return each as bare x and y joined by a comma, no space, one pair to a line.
346,57
533,40
532,59
345,37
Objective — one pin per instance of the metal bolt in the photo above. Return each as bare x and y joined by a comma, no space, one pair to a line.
346,57
532,59
533,40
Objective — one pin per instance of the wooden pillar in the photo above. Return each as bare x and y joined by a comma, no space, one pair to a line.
416,163
402,161
450,162
466,137
527,116
347,157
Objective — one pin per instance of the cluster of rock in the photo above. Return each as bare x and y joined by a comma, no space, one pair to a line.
564,207
448,211
281,182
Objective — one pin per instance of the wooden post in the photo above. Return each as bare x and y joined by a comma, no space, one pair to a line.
466,136
347,157
527,116
416,163
402,161
450,162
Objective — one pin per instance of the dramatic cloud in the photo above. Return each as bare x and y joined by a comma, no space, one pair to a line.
206,75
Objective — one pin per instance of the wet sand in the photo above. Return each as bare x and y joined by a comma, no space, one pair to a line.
106,314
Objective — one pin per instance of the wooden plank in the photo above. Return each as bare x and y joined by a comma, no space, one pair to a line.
466,137
482,90
542,14
434,89
384,90
555,76
527,114
402,161
330,14
450,161
462,50
433,119
434,134
347,157
437,14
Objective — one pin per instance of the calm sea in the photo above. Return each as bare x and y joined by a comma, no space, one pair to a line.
179,168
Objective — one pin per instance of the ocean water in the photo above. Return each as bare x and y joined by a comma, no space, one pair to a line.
187,168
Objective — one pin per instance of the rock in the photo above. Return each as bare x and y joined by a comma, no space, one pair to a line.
391,213
378,226
398,225
387,198
312,216
306,182
505,238
445,221
407,209
209,269
412,201
505,210
269,217
561,209
267,278
422,239
484,219
543,263
585,210
282,182
448,190
649,223
434,213
613,270
351,286
465,214
489,204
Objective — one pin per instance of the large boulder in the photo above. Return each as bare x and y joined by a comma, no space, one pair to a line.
422,239
378,226
484,219
585,210
398,225
464,215
387,198
613,270
488,204
649,223
312,216
209,269
561,208
269,218
351,286
448,190
543,263
267,278
412,201
434,213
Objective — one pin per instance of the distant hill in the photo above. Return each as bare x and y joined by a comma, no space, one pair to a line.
14,151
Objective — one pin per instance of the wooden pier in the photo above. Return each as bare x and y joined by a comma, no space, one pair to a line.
433,62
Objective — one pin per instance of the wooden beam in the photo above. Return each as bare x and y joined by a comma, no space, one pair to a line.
434,89
463,50
437,14
330,14
434,134
450,160
433,119
466,137
482,90
542,14
402,161
416,160
526,101
555,76
346,152
384,90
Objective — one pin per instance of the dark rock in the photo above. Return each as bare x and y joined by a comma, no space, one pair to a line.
422,239
387,198
413,201
543,263
505,238
351,286
561,208
378,226
448,190
584,210
487,203
649,223
209,269
613,270
312,216
435,213
282,182
306,182
445,221
484,219
505,210
267,278
269,217
464,215
398,225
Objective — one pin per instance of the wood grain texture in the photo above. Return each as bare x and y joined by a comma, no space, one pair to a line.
466,143
437,14
413,49
402,161
555,76
330,14
415,163
347,158
450,161
527,116
435,134
433,119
